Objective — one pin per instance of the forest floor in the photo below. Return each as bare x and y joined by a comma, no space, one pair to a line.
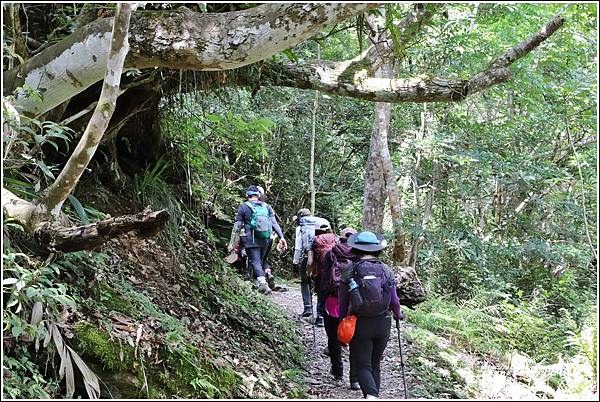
319,382
435,367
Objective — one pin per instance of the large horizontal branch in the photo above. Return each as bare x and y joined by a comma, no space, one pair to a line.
68,239
328,77
179,39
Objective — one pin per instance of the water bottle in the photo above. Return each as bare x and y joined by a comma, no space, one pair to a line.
355,297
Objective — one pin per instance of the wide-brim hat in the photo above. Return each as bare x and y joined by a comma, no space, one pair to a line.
367,241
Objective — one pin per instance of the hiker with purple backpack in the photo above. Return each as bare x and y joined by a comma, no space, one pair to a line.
334,263
369,292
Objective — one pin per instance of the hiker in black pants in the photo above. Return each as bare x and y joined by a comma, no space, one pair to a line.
373,288
335,261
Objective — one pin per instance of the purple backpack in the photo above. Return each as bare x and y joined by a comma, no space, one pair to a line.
373,284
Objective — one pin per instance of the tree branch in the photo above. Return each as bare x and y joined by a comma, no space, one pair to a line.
329,77
83,153
179,39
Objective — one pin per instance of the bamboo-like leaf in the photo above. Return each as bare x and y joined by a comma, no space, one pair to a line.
92,385
36,313
45,169
9,281
48,337
69,374
79,209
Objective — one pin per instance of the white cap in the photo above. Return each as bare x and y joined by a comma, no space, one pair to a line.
260,190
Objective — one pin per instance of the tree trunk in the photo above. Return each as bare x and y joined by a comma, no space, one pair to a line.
374,189
383,111
86,148
311,174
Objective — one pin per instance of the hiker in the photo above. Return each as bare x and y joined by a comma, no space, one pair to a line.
266,264
258,221
305,234
323,242
373,288
335,262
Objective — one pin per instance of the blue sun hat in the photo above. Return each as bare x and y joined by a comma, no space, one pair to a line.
252,190
367,241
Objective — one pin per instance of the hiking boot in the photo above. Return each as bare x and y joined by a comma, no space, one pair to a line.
307,311
264,288
355,386
271,281
371,397
320,321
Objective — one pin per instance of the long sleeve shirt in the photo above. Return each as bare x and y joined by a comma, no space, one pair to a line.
243,218
344,297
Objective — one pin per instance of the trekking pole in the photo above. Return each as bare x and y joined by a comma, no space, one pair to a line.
401,358
312,312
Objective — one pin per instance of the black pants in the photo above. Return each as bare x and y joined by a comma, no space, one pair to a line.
305,282
366,350
335,349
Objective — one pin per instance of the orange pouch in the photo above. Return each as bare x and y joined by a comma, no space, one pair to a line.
345,330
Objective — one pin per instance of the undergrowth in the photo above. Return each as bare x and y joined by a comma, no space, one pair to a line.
502,333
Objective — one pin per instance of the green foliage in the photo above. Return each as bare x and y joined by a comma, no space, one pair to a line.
491,324
22,378
31,286
24,151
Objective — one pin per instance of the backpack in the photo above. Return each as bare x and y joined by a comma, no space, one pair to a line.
260,222
341,262
321,245
307,231
374,283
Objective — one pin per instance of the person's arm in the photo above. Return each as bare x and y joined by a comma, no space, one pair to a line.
282,244
343,295
395,301
239,217
274,223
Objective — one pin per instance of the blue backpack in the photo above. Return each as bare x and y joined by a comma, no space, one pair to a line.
374,286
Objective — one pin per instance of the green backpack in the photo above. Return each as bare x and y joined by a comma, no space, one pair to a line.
260,221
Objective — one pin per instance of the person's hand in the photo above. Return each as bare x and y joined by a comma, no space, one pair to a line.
282,245
401,317
346,274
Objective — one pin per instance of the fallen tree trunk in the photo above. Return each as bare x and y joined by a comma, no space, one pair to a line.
144,224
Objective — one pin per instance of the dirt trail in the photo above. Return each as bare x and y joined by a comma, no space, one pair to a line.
320,384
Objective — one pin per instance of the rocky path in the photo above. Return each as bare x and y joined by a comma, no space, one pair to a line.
320,384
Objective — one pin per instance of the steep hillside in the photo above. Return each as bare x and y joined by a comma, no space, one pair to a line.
163,317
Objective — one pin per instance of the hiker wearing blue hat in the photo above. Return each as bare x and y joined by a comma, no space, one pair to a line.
258,221
369,292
